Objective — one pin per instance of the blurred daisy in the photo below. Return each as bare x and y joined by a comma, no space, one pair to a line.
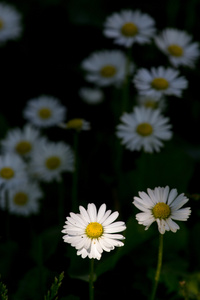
151,102
23,199
177,45
106,67
10,23
76,124
21,141
50,160
163,206
159,81
128,27
91,95
91,232
44,111
144,128
12,170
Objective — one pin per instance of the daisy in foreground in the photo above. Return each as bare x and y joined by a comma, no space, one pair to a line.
177,45
91,232
128,27
144,128
163,206
159,81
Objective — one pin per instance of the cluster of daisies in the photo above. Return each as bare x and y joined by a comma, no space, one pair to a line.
145,128
28,157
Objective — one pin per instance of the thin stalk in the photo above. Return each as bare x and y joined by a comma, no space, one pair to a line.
75,174
91,280
159,265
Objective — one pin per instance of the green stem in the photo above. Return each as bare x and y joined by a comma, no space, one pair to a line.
75,174
159,265
91,280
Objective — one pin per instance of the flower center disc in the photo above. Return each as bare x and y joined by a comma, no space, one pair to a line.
20,198
53,162
108,71
44,113
75,124
144,129
175,50
7,173
23,147
94,230
159,83
129,29
161,210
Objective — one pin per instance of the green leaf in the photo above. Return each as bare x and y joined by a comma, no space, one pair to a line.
52,293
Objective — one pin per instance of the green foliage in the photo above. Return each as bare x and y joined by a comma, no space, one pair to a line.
52,293
3,292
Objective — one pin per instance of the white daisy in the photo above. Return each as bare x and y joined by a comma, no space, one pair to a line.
106,67
10,23
44,111
91,95
163,206
76,124
91,232
12,170
144,128
177,45
49,160
21,141
151,102
128,27
159,81
22,199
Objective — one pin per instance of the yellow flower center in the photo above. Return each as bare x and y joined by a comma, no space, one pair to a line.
151,104
94,230
144,129
20,198
175,50
108,71
44,113
161,211
7,173
159,83
129,29
1,24
23,147
75,124
53,162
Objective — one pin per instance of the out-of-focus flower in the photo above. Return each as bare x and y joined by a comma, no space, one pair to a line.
151,102
91,95
76,124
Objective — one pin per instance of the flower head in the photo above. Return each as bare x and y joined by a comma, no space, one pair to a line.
144,128
159,81
91,95
177,45
44,111
76,124
151,102
163,206
91,232
128,27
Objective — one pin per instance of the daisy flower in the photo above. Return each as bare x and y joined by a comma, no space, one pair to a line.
151,102
144,128
159,81
44,111
106,67
91,232
21,141
91,95
76,124
177,45
23,199
10,23
12,170
51,159
128,27
163,206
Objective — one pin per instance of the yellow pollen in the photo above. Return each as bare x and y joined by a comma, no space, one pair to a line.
144,129
175,50
108,71
7,173
75,124
23,147
1,24
94,230
44,113
20,198
161,211
53,162
159,83
129,29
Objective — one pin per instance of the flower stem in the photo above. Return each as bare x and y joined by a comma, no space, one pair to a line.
91,279
75,173
159,265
